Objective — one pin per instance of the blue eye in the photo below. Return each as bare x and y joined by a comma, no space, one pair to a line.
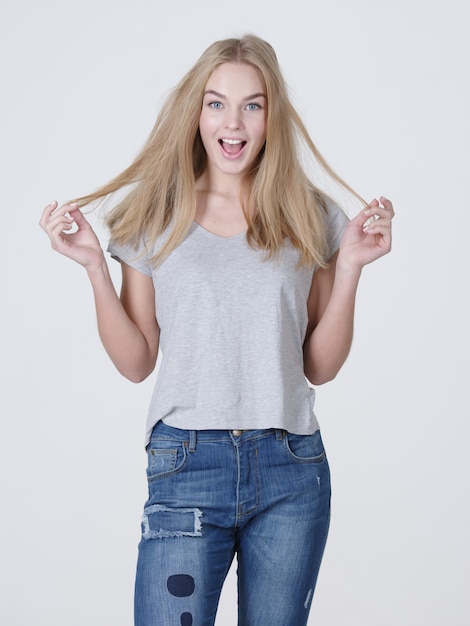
215,105
253,106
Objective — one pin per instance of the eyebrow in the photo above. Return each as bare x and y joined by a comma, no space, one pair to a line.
222,97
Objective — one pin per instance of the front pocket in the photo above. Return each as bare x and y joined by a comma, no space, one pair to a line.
305,448
164,460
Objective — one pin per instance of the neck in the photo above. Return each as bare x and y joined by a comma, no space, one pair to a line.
220,184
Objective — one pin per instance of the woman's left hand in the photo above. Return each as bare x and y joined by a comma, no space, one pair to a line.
368,236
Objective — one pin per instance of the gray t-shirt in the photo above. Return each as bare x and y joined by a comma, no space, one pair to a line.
232,327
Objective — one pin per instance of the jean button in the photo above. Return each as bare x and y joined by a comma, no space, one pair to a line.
237,433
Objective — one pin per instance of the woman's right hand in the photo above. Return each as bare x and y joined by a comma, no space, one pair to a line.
82,245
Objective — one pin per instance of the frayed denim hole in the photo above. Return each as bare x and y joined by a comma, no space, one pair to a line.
159,522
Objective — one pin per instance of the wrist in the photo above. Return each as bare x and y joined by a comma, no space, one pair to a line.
98,271
346,269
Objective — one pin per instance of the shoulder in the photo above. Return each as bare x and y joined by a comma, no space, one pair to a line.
137,253
335,222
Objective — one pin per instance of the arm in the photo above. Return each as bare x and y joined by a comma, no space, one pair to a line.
127,325
331,313
333,293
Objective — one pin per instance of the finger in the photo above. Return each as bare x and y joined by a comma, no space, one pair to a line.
55,228
57,218
381,212
363,215
377,222
378,214
66,226
78,216
50,208
373,213
387,205
378,227
54,215
368,216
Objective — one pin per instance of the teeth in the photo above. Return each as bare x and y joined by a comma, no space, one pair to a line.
232,142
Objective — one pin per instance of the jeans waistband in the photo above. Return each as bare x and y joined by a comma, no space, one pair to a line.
192,437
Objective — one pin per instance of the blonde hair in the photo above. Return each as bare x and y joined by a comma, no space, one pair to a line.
280,199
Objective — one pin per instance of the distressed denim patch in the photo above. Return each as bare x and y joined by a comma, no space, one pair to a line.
160,521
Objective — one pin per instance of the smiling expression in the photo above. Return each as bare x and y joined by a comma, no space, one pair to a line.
233,118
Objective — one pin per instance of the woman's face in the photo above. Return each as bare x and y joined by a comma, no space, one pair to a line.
233,118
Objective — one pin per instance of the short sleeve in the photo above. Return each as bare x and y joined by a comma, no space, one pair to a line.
336,222
137,258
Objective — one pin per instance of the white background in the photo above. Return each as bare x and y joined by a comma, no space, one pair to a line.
384,90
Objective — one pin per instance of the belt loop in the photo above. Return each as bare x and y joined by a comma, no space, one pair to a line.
280,434
192,440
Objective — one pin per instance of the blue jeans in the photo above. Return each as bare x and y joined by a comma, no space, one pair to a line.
263,495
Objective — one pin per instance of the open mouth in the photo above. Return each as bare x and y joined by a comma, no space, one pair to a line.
232,146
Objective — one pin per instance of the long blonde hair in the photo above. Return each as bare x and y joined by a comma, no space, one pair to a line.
280,202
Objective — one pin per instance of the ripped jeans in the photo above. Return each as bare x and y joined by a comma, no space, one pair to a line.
263,495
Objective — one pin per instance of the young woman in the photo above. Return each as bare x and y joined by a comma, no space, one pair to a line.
244,275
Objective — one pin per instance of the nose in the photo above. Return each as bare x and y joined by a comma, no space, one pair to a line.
233,120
